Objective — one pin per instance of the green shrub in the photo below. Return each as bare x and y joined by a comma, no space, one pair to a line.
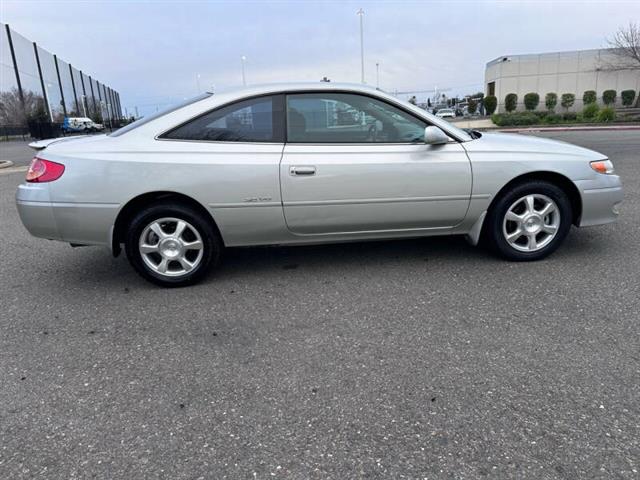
589,97
550,101
567,100
590,112
515,119
609,97
510,102
627,97
570,116
607,114
491,103
472,106
531,101
541,114
553,118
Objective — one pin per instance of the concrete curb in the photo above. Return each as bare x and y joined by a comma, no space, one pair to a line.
10,170
6,163
572,129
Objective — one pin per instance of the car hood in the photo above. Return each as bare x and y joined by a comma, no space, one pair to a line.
518,143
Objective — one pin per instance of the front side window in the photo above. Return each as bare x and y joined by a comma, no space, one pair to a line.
348,118
255,120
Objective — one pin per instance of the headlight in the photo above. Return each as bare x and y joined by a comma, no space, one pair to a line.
602,166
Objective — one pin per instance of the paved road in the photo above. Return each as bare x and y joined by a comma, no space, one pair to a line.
16,151
405,359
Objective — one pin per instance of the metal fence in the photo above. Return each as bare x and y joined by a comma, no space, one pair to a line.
37,86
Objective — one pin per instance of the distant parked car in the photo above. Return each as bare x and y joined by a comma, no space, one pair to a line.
446,113
80,124
307,164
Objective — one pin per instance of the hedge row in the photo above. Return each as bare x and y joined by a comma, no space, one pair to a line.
531,100
591,113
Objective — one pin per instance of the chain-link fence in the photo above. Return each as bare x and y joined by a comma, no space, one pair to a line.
38,88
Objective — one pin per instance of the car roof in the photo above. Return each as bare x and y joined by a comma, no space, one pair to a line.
299,86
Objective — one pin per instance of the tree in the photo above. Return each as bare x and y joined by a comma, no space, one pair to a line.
609,97
567,100
510,102
626,46
14,111
472,106
589,96
490,104
628,97
550,101
531,101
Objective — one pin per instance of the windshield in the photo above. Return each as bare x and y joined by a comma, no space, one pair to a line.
149,118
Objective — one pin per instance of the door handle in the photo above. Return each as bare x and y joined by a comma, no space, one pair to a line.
306,170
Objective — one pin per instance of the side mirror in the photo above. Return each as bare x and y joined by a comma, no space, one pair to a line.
435,136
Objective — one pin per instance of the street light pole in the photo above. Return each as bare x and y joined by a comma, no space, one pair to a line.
198,83
360,13
377,75
244,78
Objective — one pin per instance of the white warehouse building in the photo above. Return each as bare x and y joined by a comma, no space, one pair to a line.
559,72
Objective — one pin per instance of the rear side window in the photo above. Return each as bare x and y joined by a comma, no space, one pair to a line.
148,118
255,120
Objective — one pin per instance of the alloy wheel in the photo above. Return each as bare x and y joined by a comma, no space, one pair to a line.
171,247
531,223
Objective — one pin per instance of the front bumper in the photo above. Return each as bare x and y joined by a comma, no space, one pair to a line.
600,200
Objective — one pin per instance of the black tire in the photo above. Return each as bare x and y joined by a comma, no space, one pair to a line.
211,243
494,236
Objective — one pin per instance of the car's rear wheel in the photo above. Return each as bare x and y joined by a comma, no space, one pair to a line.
172,245
529,221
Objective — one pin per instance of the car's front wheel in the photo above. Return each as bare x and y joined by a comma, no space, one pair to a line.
172,245
529,221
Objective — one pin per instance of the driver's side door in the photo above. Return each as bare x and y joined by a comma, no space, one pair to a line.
353,163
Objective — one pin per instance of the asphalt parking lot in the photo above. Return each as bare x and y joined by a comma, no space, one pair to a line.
406,359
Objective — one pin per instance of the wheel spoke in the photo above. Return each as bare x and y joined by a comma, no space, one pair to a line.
513,217
550,229
548,209
195,245
185,264
180,226
157,229
530,201
163,265
146,248
512,237
532,244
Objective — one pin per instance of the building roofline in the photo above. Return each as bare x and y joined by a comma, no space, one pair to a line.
497,59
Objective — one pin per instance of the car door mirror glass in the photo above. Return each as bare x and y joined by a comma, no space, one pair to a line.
435,136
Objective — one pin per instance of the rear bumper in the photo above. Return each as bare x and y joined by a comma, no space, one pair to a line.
36,211
82,223
600,203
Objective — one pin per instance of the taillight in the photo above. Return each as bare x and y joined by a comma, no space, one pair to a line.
42,170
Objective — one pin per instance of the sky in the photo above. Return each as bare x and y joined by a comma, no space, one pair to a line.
155,53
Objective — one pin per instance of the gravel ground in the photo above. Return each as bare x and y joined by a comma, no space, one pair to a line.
404,359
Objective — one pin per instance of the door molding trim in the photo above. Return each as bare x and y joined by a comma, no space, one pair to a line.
365,201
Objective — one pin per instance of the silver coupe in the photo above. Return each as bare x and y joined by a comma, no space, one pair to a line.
306,163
